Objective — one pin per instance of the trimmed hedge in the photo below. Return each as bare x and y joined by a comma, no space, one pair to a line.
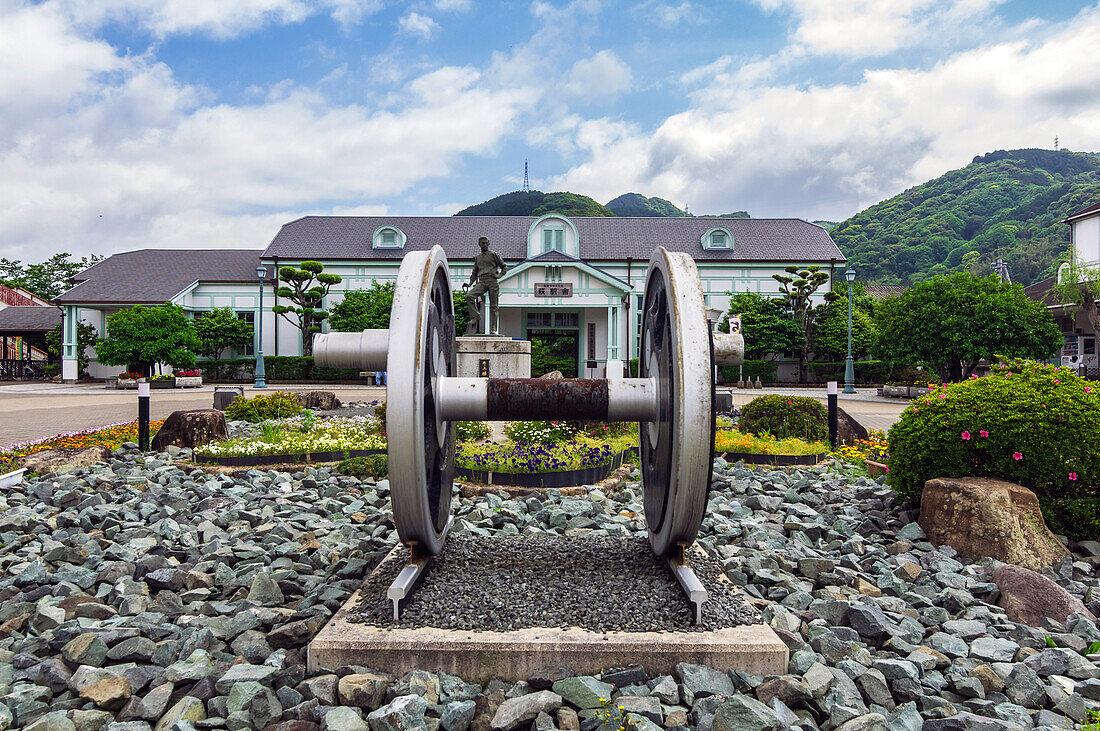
867,371
289,368
766,370
784,417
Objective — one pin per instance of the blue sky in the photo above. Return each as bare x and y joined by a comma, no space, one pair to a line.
169,123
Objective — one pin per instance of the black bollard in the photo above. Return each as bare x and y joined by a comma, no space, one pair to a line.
833,426
143,416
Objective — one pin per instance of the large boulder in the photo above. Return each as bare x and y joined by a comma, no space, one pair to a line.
191,429
980,516
64,459
848,429
320,400
1027,597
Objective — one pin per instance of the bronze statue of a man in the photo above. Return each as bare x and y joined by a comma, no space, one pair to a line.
488,269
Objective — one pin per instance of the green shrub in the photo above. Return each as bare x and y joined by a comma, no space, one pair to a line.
784,417
380,414
261,408
290,368
1028,423
374,466
766,370
866,371
471,431
633,367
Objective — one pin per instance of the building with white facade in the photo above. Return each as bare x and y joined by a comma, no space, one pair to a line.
582,278
1078,323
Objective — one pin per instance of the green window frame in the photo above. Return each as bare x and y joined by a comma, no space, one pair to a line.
553,239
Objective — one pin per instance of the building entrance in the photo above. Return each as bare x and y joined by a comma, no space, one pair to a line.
555,342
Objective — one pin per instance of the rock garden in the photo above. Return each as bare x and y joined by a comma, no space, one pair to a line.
145,591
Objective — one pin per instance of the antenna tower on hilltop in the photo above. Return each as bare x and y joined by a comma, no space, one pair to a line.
1056,143
526,183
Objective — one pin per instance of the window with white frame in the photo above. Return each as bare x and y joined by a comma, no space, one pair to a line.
553,238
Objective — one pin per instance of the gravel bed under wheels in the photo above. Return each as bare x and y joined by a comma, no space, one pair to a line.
599,583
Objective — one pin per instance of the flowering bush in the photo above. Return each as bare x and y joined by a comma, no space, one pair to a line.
162,378
292,435
375,466
727,440
531,457
130,376
784,417
551,432
1028,423
876,448
112,435
194,373
472,431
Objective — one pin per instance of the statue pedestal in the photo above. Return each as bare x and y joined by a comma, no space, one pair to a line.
493,356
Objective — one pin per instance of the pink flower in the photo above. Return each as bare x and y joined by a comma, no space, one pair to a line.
1017,456
966,436
1088,390
983,433
1057,381
1073,475
943,395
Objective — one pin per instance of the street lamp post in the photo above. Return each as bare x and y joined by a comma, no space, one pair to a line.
261,274
849,365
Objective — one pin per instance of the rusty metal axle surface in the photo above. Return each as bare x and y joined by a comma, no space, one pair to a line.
513,399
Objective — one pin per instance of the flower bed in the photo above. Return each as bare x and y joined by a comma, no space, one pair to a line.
112,435
296,437
734,445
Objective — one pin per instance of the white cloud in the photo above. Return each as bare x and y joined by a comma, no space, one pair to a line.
668,14
873,27
603,76
452,6
415,24
103,152
827,151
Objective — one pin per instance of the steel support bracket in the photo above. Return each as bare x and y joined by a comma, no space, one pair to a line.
411,574
686,578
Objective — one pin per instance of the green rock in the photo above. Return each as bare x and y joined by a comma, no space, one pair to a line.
345,719
241,695
742,713
188,708
404,713
54,721
6,718
85,649
584,691
196,667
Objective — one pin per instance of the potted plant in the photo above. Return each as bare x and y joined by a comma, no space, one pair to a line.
189,379
128,380
162,381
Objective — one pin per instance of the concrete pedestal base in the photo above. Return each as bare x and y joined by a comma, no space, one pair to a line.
488,356
477,656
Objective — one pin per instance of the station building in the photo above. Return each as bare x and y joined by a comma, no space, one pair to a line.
578,280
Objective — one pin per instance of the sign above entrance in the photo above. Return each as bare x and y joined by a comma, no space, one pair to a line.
554,289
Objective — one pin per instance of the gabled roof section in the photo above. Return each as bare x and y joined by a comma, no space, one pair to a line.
154,276
29,319
331,238
553,256
1093,210
566,260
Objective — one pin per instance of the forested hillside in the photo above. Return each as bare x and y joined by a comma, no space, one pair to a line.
1005,204
636,204
537,203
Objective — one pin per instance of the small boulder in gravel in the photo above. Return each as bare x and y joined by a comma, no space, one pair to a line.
584,691
187,708
85,649
742,713
109,693
403,713
344,719
703,681
1028,597
457,716
364,690
515,712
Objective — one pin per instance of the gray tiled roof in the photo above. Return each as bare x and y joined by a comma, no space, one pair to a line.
153,276
18,319
1086,211
755,239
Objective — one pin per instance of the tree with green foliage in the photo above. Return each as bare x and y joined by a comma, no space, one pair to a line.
637,205
797,288
47,279
768,329
952,322
307,290
830,340
363,309
220,330
141,337
537,203
85,338
462,316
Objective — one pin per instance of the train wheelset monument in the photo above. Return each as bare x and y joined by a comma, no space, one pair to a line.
480,607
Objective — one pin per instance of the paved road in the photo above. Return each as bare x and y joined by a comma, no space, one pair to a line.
34,411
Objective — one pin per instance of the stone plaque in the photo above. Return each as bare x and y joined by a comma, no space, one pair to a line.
483,367
554,289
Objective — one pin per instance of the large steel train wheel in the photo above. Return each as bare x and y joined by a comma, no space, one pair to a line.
676,448
421,447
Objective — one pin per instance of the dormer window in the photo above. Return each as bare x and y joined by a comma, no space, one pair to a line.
389,237
717,238
553,238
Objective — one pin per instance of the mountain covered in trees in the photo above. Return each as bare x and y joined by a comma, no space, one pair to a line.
537,203
637,205
1004,204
